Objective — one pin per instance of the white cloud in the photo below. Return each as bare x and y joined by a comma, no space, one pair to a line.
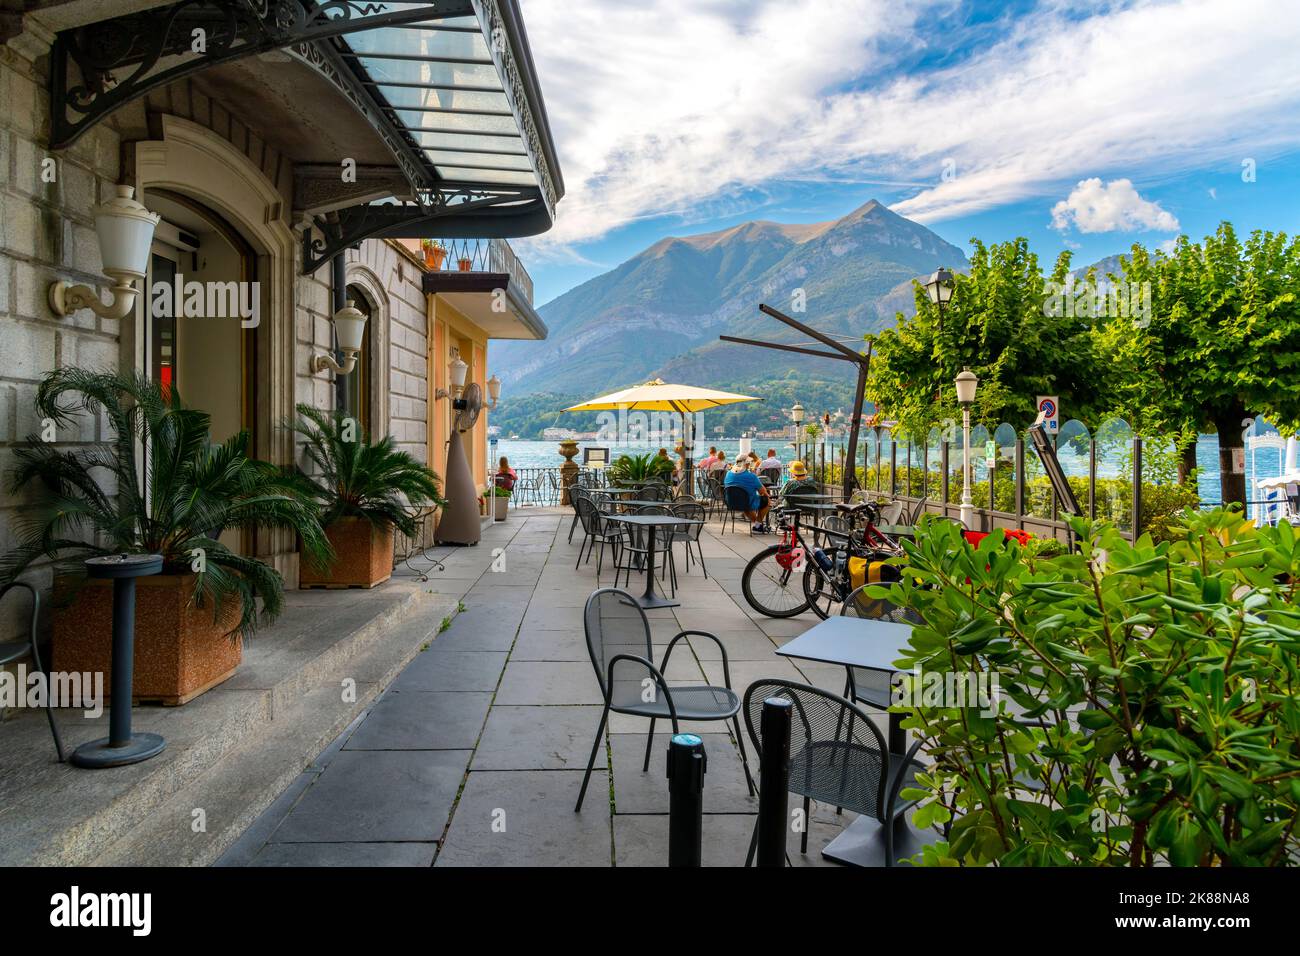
1094,206
660,107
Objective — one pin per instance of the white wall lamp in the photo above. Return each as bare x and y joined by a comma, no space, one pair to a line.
456,370
125,231
494,392
349,331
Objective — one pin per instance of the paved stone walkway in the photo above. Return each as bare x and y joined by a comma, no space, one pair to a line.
474,755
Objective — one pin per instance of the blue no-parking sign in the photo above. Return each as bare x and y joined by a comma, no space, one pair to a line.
1049,407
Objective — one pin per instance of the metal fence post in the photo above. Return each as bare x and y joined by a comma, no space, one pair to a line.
1020,483
893,466
1137,487
944,457
1092,479
774,781
687,764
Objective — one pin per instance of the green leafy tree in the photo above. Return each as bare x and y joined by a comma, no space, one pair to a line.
999,323
1222,343
99,500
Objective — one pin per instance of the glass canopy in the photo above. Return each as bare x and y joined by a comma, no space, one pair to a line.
443,86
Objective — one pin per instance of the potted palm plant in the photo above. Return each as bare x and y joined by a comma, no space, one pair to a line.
631,469
364,491
176,500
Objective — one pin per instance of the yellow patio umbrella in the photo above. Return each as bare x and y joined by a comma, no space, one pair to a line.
660,396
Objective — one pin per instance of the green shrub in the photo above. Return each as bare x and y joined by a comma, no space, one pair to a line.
1147,711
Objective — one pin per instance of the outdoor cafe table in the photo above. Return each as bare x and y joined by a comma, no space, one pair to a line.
873,645
650,522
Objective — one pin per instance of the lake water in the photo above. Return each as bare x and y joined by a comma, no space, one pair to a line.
1263,463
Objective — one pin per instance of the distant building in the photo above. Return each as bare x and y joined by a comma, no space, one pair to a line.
558,434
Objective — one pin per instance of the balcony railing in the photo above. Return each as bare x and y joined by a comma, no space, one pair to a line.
486,255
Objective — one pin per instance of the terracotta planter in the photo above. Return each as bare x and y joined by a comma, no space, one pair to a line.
503,507
465,264
434,257
180,651
364,556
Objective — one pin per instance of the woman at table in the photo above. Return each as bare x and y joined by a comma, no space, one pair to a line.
505,476
742,476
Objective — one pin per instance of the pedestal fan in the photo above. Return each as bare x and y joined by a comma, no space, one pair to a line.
459,523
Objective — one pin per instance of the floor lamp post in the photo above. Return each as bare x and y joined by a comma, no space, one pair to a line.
966,385
796,416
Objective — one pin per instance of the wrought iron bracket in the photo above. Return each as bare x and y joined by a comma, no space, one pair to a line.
95,69
454,210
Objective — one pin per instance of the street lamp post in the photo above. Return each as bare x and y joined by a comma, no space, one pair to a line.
939,287
966,385
796,416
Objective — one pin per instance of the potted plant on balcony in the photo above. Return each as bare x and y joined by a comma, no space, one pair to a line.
435,253
364,491
632,469
465,263
191,619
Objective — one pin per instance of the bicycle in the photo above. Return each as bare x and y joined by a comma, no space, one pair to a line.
822,574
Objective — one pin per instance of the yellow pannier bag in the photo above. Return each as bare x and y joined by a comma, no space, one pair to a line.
862,571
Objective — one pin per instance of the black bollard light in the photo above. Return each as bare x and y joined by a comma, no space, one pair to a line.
121,747
774,781
687,764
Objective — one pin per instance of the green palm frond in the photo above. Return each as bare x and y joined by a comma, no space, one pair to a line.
190,493
351,477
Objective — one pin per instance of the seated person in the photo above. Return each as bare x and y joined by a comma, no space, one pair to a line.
798,485
720,462
771,461
505,476
742,477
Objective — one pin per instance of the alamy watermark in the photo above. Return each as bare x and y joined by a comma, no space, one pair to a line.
78,689
207,300
638,426
1099,300
977,690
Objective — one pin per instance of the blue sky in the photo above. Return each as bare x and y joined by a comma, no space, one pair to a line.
1086,128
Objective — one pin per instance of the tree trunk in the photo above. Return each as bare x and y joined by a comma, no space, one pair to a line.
1187,462
1232,456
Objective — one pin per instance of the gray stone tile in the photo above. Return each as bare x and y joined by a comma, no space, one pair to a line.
245,849
346,854
750,645
422,720
538,738
377,796
642,839
549,682
551,646
638,791
438,669
526,818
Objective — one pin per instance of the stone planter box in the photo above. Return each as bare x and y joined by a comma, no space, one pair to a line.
364,556
502,507
180,651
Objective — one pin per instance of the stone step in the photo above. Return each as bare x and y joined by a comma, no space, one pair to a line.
57,814
199,822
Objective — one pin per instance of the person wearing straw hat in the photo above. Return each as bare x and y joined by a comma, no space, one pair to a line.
798,485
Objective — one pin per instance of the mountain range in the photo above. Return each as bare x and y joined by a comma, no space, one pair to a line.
660,313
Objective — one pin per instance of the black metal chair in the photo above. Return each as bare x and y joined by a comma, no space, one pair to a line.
773,475
618,640
837,755
736,500
575,492
866,686
689,534
11,651
654,491
634,547
596,530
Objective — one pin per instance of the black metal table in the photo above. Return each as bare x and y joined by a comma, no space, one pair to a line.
650,598
874,645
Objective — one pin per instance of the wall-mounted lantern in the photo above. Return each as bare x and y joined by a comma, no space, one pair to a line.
125,231
456,370
494,392
349,331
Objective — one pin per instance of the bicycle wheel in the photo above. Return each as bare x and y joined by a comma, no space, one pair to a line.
820,593
771,589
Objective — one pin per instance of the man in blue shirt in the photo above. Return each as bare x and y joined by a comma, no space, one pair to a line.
740,476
